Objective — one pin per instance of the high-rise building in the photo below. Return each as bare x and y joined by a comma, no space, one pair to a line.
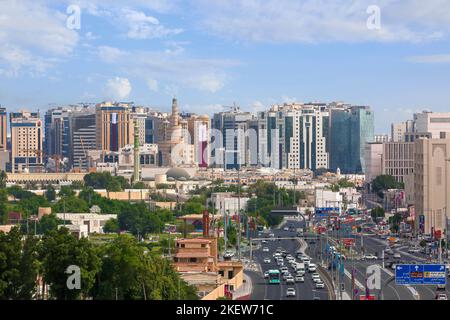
199,134
84,137
231,149
294,136
351,127
374,159
434,123
114,126
432,182
398,160
3,130
26,142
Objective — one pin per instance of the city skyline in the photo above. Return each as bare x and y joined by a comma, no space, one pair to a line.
150,51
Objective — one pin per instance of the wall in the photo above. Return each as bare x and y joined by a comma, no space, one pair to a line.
220,290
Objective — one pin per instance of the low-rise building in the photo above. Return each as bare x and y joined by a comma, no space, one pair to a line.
94,222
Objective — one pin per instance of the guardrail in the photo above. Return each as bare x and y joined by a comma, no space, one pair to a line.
327,278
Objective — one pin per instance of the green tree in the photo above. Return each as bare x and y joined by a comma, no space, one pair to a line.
3,177
385,182
48,223
3,207
377,212
71,204
59,251
66,192
50,193
10,257
111,226
29,268
130,272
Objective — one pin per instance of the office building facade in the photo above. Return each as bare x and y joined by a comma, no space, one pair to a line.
351,127
26,142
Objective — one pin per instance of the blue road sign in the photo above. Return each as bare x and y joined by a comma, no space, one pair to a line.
424,274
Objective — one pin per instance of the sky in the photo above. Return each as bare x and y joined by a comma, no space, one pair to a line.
393,55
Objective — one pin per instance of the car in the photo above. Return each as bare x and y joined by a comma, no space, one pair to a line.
290,292
441,296
397,256
286,275
307,262
369,257
266,275
264,241
320,285
272,235
316,277
285,229
267,260
290,280
284,269
299,278
312,267
265,249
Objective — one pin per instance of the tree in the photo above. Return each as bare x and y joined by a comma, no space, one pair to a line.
66,192
129,272
59,251
48,223
29,268
3,178
139,185
385,182
3,207
104,180
50,194
71,204
377,212
111,226
10,248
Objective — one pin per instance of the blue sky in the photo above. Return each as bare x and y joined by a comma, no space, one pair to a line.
216,52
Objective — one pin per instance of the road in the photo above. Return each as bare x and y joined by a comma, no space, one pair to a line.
262,290
372,244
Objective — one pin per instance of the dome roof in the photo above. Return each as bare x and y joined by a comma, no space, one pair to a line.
177,173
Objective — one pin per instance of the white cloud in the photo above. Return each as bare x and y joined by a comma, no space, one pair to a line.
312,21
118,88
152,84
109,54
32,37
433,59
142,26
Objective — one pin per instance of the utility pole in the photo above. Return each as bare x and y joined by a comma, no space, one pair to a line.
239,210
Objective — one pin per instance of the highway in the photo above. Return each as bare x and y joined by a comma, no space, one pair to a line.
262,290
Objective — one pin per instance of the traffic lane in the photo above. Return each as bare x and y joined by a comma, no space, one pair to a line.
258,286
425,292
306,290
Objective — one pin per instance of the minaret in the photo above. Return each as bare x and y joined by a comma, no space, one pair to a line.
175,113
137,163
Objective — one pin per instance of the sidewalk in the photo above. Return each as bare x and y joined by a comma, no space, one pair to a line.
244,292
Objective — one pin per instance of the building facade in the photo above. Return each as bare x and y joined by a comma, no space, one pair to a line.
374,159
351,127
3,130
114,124
398,159
432,182
26,142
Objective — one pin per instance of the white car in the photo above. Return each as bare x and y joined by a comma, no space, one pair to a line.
266,275
265,249
290,279
299,278
320,285
266,260
312,267
284,269
316,277
286,229
369,257
290,292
